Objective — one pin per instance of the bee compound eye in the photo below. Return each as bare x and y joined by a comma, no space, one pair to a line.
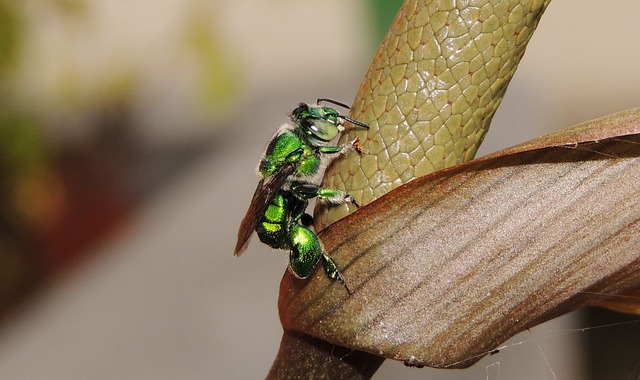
325,130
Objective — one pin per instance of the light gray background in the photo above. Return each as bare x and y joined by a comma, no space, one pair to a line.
165,299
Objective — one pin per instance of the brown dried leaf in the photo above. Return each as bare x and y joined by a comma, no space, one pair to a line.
450,265
626,302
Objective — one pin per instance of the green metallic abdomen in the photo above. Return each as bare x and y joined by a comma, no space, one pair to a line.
272,229
279,229
305,251
273,235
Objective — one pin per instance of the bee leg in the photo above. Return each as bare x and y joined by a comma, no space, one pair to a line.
331,269
342,149
304,190
356,146
336,197
306,220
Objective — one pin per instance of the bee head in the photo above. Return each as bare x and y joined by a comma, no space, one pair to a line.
322,123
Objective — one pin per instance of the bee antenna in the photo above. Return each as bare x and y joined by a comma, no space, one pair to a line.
350,120
355,122
333,102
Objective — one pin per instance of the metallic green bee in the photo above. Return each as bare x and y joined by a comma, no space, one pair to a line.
290,175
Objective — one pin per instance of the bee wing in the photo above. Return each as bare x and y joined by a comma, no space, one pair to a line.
262,197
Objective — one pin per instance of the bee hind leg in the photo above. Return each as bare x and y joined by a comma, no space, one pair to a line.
306,220
332,270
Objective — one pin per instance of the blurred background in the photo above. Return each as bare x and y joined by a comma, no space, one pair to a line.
129,137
